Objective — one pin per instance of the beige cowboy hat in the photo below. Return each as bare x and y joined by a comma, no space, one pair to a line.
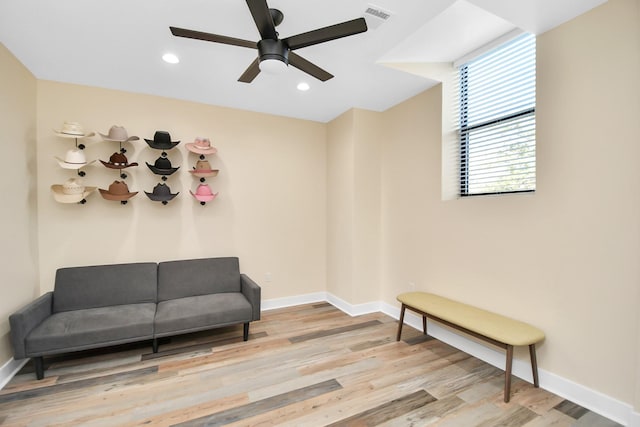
118,134
203,169
73,130
72,191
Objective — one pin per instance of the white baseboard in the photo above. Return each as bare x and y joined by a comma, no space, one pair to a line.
9,369
350,309
272,304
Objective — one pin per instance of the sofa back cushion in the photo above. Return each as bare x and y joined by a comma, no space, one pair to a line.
95,286
186,278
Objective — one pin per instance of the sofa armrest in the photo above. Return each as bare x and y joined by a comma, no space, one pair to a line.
24,320
251,291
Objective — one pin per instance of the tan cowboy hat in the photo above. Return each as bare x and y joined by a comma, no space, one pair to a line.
118,134
72,191
203,169
73,130
118,190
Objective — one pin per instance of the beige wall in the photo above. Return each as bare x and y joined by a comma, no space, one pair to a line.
564,258
19,260
272,191
353,206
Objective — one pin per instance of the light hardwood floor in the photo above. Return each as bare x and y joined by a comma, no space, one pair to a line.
309,365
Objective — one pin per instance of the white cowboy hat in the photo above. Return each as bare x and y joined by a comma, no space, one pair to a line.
74,159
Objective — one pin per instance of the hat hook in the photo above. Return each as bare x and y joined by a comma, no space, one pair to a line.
203,203
81,173
79,146
164,178
202,179
122,150
164,202
123,202
202,157
163,154
123,175
83,201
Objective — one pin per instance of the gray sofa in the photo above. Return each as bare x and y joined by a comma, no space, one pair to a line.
104,305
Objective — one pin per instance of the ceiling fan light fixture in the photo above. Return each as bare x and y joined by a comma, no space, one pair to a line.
273,66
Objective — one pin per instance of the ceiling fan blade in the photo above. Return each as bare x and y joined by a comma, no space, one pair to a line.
198,35
261,15
251,72
313,70
326,34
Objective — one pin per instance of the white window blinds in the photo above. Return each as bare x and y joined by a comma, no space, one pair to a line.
497,120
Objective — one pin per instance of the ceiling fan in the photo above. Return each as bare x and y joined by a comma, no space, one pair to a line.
275,53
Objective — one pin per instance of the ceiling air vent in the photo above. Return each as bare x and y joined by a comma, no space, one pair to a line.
375,16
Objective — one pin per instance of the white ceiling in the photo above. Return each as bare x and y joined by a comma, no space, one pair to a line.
118,44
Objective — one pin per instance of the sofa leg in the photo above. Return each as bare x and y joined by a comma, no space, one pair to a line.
154,344
39,362
246,331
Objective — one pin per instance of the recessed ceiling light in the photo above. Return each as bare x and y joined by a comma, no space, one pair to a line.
303,86
170,58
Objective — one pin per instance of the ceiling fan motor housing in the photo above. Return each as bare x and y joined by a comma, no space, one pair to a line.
273,49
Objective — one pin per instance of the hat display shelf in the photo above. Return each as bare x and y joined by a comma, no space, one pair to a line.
202,169
162,167
72,190
118,190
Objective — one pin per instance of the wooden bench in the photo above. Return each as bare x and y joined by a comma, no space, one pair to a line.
499,330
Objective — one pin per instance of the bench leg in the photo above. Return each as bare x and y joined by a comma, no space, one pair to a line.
154,345
534,365
39,362
400,322
507,374
245,331
424,325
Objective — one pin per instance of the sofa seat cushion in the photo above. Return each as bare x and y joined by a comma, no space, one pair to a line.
93,327
195,313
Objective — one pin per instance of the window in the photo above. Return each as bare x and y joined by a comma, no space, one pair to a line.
497,122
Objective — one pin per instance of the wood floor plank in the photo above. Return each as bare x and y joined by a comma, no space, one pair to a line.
266,405
387,411
76,385
333,331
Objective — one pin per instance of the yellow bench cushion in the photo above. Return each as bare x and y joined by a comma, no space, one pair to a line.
491,325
